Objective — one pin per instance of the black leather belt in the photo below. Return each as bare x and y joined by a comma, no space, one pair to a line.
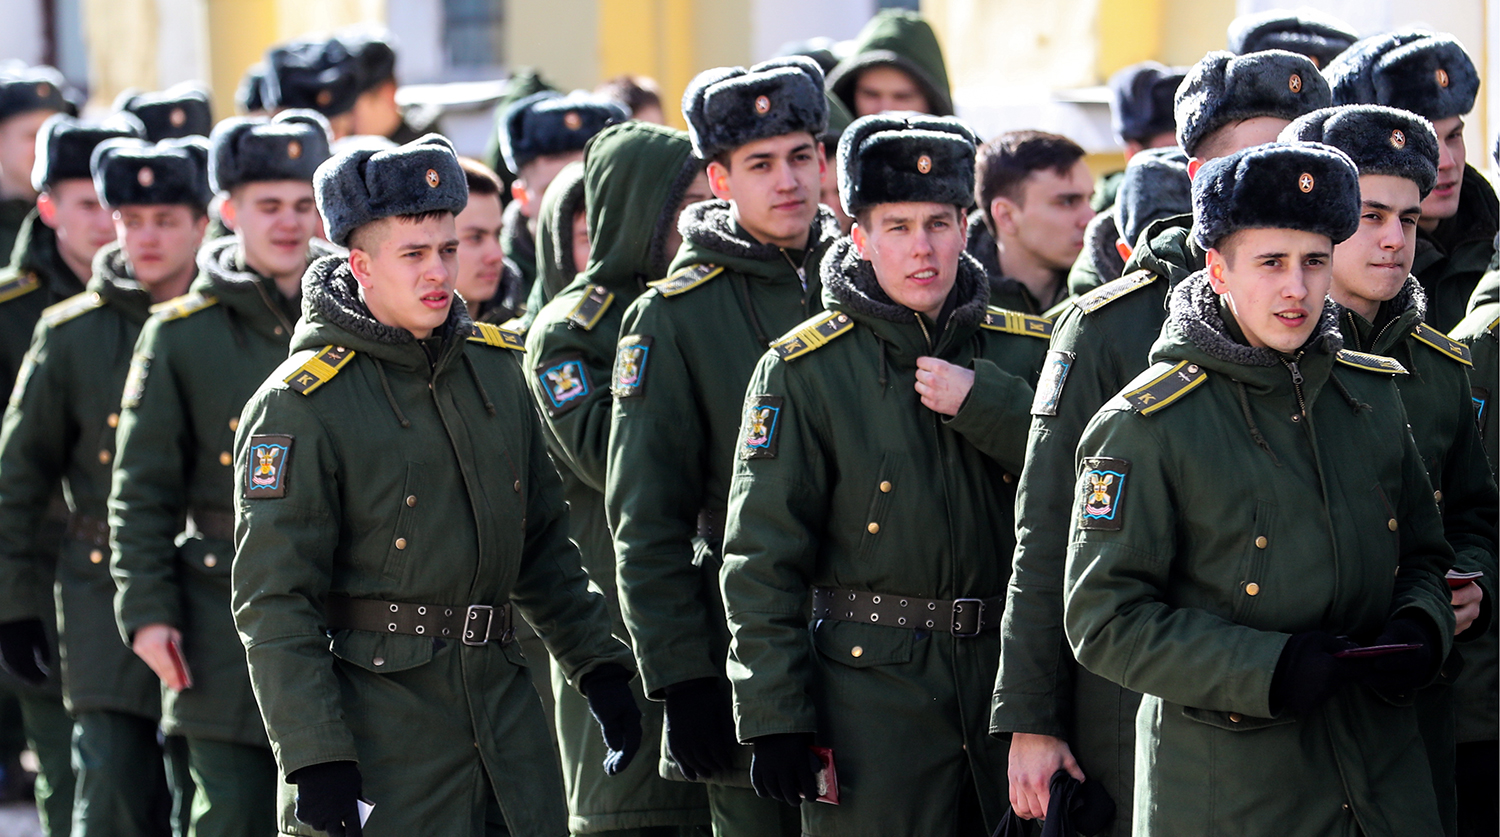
960,617
93,531
473,625
218,525
711,523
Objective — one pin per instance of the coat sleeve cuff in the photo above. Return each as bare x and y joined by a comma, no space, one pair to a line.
300,748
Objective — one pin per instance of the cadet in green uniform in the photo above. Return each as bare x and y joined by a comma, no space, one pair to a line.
1100,342
746,273
1430,74
562,237
27,99
895,63
394,499
182,110
61,428
1320,37
375,112
196,362
636,176
1477,330
1250,587
873,474
480,259
1154,185
1141,114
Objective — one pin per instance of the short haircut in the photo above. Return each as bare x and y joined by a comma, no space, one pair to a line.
634,92
360,237
1007,160
482,179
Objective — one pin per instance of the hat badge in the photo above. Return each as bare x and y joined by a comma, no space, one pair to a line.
924,164
43,90
762,105
1398,139
1305,182
177,117
572,121
145,177
294,149
1294,83
432,178
1442,77
324,98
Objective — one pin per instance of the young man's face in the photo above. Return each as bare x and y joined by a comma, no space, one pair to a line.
18,150
408,272
774,186
914,249
536,176
160,241
480,258
274,220
1372,265
1442,202
829,193
72,209
1275,281
580,239
697,192
1050,218
375,111
883,88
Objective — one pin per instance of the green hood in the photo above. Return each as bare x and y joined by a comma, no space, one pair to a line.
900,39
1487,292
554,235
113,282
1398,316
710,235
1170,251
224,275
36,252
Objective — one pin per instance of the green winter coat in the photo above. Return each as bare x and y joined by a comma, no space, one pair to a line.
414,471
1227,498
901,39
687,348
13,214
1478,331
60,426
853,483
570,350
554,238
36,278
1451,258
1006,292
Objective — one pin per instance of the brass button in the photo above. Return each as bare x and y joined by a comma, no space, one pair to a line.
278,330
96,557
1235,717
210,560
874,528
225,458
1260,542
411,500
1252,589
1007,478
113,420
234,424
517,486
885,486
857,651
401,543
1391,524
1437,496
104,457
379,661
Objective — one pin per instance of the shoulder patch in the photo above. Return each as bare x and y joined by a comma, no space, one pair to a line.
628,378
1014,322
758,438
589,310
73,306
23,284
1111,291
265,467
1049,385
1446,345
318,369
1170,384
1101,489
565,380
1371,363
182,306
135,380
812,334
686,279
502,336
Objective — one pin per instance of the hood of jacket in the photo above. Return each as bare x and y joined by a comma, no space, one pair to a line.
1398,316
36,252
224,274
1167,249
517,242
1099,240
710,235
900,39
114,281
554,230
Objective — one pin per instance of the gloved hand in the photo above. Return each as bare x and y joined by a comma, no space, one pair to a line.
23,650
613,706
1307,672
1402,672
327,797
700,730
782,767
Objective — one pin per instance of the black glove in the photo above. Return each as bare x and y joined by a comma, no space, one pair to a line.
783,768
700,730
1402,672
327,797
613,706
1307,672
23,650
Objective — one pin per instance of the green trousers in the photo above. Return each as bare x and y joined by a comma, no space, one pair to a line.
738,812
122,779
224,789
49,734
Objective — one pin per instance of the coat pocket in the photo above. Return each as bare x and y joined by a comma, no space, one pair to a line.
406,523
382,653
1252,575
858,645
1233,721
887,480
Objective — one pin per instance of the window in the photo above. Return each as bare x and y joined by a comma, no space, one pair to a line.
474,33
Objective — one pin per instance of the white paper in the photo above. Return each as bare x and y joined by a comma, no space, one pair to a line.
365,807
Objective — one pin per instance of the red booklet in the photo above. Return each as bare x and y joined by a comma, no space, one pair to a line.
1375,650
179,662
828,777
1457,579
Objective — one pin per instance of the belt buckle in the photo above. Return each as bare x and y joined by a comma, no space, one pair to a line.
473,635
978,617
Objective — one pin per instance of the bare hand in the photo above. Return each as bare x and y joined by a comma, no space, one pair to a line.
942,385
1466,601
150,644
1033,760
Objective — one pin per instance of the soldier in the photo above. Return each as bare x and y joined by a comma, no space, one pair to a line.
874,468
196,362
375,111
1258,617
1101,341
182,110
480,258
747,271
1155,186
1033,193
393,399
249,96
562,236
318,75
1431,75
895,63
638,95
637,177
1140,111
1305,31
27,99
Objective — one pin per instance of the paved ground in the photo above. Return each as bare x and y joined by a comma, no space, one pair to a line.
18,819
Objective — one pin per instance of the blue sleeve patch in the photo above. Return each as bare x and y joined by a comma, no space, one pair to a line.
1101,489
630,366
762,415
265,470
565,380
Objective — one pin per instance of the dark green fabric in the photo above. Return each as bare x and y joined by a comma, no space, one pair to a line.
1477,329
554,237
738,812
1105,190
520,247
49,734
899,38
234,789
35,252
13,212
122,782
1451,258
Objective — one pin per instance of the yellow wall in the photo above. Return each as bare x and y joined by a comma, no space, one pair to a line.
554,37
670,41
122,47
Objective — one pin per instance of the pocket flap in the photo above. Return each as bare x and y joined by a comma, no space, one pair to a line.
858,645
382,653
1234,721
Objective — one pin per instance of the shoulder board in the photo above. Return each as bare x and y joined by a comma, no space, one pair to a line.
1425,333
508,336
23,284
1111,291
686,279
1169,385
812,334
1014,322
71,307
318,369
1371,363
176,309
589,310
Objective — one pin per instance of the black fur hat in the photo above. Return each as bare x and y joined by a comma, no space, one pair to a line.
288,147
1156,186
318,75
1143,94
1279,185
1224,87
548,123
373,56
250,96
132,171
1424,72
1379,140
893,158
64,146
364,185
181,110
30,89
727,107
1305,32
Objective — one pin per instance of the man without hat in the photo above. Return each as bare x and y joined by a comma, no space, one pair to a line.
394,503
1155,185
878,447
27,99
747,271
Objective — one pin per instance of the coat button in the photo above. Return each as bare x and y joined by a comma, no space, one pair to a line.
1235,717
873,528
279,331
210,560
1007,478
1437,496
104,457
517,486
113,420
1260,542
1391,524
234,424
96,557
411,500
857,651
1252,589
379,661
226,459
401,543
885,486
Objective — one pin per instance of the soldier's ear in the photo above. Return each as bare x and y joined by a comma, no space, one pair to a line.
46,209
857,235
359,265
718,180
1193,166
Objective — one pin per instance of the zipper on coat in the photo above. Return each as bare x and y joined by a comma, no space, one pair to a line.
1291,366
925,334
